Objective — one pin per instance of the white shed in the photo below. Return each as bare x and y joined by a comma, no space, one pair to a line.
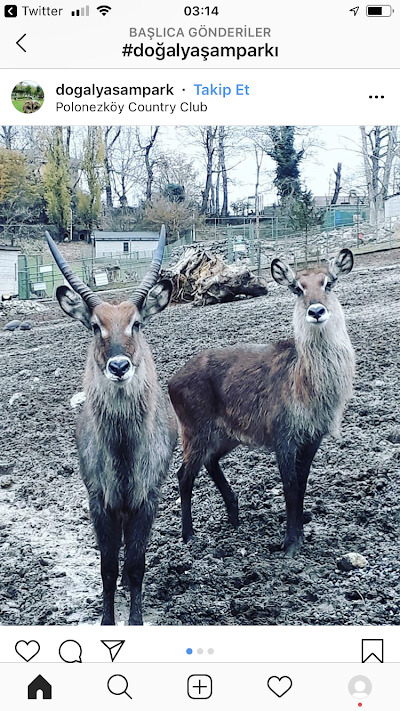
124,243
8,270
392,206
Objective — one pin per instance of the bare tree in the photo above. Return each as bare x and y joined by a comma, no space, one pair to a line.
378,147
146,146
110,136
338,178
7,136
222,161
204,137
255,136
178,169
128,169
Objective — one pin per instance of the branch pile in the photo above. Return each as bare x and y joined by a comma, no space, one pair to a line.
204,278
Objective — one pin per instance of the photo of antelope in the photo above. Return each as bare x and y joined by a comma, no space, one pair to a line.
27,97
199,375
127,430
288,396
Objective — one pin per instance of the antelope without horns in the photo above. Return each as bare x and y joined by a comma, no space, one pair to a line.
127,430
285,396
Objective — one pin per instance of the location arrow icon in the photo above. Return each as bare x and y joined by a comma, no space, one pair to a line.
355,10
114,646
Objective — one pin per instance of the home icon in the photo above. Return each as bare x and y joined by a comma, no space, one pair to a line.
39,684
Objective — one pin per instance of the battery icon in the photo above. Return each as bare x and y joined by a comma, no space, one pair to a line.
379,10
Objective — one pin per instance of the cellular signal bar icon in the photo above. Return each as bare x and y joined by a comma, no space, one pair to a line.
84,11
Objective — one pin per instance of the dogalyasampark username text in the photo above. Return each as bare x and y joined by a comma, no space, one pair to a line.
99,92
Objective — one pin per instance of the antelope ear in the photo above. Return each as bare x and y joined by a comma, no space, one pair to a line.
342,264
284,275
74,306
157,299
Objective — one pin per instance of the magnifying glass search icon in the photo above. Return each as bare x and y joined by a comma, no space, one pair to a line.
118,685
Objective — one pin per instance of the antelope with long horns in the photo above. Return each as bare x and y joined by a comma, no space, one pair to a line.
127,430
286,396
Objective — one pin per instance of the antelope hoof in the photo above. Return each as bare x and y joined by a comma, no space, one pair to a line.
292,547
233,512
292,550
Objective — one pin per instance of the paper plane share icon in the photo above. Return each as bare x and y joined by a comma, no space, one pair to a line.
114,646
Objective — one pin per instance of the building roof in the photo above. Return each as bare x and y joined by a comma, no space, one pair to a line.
125,236
8,248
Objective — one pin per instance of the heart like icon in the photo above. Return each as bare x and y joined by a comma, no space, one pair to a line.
279,685
27,650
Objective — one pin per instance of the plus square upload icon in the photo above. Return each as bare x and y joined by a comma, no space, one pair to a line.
199,686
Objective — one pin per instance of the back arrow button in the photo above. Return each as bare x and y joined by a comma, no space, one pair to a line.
20,45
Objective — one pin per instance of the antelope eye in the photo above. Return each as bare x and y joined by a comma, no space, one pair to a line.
96,329
136,326
298,291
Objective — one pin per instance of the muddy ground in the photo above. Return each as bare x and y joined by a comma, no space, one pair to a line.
49,571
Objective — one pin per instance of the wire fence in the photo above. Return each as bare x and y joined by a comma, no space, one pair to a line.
39,276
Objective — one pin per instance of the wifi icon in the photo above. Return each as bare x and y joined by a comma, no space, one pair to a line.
104,9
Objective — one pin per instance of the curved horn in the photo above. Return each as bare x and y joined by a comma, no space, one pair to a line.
151,277
77,284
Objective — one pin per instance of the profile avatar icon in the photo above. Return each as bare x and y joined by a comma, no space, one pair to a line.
360,687
27,97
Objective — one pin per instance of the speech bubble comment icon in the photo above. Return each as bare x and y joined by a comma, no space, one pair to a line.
70,651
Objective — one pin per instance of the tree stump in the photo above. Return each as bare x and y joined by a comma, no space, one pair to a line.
204,278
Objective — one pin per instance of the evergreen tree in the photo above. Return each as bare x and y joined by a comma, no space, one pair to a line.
20,193
89,204
174,193
287,158
303,213
57,181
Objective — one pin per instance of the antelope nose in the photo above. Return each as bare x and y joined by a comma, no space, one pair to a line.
119,366
316,311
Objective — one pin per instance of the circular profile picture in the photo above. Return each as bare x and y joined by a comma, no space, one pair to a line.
27,97
360,687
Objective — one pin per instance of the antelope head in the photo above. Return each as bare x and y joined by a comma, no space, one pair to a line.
118,341
316,302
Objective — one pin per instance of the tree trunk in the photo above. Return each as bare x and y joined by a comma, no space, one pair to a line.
368,176
222,135
68,132
209,146
7,134
259,158
150,163
108,163
338,174
217,189
204,278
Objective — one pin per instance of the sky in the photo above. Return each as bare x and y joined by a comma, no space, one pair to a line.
336,144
